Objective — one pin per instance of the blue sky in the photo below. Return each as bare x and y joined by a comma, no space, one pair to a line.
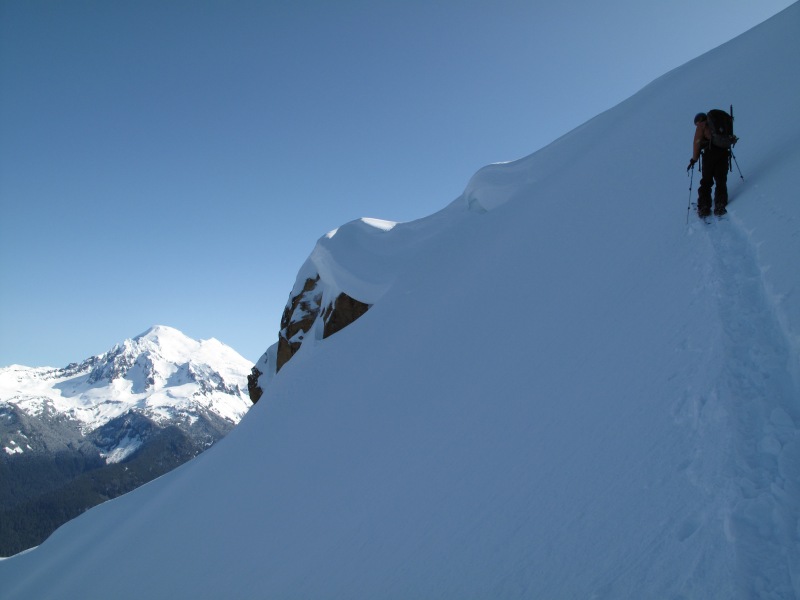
174,162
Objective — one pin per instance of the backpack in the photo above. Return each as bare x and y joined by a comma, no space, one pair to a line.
720,124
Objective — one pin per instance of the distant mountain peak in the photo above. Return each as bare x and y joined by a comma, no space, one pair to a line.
161,331
96,429
160,372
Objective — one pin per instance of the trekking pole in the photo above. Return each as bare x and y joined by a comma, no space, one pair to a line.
733,156
689,204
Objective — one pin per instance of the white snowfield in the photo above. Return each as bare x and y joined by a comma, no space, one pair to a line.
158,372
562,391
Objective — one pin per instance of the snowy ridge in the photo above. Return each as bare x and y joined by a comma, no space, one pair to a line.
362,258
564,392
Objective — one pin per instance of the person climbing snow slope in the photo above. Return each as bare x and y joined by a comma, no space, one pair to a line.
714,167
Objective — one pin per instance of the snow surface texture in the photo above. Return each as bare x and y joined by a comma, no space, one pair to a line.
565,393
161,373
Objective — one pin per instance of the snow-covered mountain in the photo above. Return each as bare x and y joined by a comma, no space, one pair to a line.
161,374
150,403
560,389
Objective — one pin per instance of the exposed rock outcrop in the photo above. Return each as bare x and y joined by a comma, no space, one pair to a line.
253,389
305,312
341,313
298,317
306,309
347,272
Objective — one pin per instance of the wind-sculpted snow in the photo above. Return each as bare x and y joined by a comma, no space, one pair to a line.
363,258
562,390
348,271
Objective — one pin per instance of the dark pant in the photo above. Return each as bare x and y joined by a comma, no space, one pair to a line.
715,170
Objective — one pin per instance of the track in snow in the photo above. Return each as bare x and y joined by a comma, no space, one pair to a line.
759,394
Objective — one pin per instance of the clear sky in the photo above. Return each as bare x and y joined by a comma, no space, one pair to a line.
174,161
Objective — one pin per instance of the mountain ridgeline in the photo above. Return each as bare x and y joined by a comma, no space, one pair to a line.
74,437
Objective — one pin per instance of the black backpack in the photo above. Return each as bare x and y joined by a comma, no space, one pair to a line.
721,125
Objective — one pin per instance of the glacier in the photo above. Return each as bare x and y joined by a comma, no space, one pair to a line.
562,390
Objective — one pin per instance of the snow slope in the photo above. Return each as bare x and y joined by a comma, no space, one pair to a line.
564,392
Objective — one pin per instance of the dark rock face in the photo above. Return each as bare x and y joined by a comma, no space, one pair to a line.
302,312
253,389
341,313
300,316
